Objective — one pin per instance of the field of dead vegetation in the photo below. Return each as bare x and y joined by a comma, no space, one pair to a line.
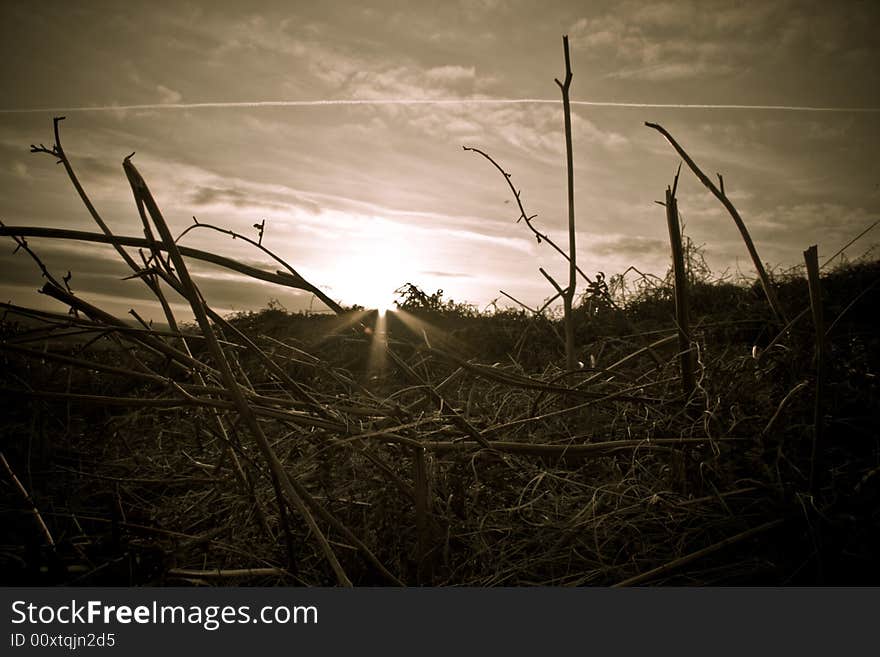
441,446
681,430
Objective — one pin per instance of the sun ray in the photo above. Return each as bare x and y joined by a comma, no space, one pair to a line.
377,361
340,323
433,335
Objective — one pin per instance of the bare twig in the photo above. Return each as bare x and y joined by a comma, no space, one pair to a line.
29,500
231,573
849,244
541,237
335,307
559,291
782,404
146,338
571,449
58,151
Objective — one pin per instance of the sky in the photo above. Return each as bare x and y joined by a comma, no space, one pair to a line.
362,198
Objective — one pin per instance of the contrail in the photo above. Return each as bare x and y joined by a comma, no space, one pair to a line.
428,101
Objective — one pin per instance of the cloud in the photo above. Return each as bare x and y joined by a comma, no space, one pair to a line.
95,268
536,130
411,81
451,74
664,14
810,220
446,274
167,95
359,228
95,168
654,43
219,200
665,41
20,170
673,71
218,193
627,246
214,195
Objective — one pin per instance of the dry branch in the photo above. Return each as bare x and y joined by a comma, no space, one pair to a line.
259,244
28,500
811,258
279,278
686,359
507,378
422,500
181,358
541,237
231,573
572,449
769,291
571,362
296,494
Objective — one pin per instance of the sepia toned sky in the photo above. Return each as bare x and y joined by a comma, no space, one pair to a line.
362,198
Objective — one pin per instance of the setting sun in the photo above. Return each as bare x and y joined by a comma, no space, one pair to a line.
376,263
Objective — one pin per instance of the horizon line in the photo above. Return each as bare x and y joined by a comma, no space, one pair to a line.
429,101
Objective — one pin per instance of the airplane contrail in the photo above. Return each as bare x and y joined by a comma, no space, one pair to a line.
427,101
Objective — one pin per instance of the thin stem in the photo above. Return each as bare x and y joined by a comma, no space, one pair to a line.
568,296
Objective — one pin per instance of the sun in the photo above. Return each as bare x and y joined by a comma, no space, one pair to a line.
371,283
377,263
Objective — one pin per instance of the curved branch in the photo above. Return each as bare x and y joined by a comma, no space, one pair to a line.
523,216
740,224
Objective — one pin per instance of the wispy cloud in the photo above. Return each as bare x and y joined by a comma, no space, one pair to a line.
631,247
447,274
20,170
167,95
691,40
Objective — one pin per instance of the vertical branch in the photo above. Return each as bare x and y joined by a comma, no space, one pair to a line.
681,296
811,258
772,299
568,297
